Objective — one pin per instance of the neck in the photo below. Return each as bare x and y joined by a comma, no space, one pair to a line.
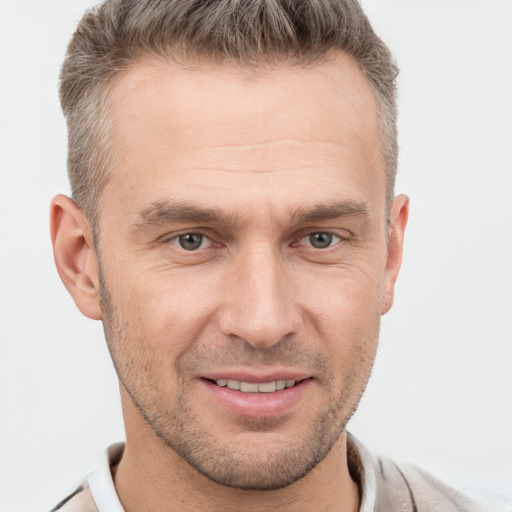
153,477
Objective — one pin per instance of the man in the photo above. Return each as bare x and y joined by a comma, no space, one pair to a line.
233,225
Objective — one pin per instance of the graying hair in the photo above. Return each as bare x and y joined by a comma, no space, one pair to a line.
112,36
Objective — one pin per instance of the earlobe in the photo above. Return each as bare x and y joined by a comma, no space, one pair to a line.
75,254
397,223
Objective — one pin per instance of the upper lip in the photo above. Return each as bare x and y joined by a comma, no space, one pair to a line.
256,377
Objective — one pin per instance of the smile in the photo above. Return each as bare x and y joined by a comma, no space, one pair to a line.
266,398
253,387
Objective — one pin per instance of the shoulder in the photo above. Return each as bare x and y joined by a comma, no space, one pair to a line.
80,500
409,488
97,492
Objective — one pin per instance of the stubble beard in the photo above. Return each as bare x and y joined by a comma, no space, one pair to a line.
237,464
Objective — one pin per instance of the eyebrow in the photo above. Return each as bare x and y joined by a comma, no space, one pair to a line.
165,212
322,212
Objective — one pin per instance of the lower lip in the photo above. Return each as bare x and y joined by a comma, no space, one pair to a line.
258,405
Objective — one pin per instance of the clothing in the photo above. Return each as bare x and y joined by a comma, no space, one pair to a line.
384,487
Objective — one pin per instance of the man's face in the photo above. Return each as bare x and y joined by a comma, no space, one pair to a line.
243,242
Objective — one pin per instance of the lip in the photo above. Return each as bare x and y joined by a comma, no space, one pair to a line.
257,405
256,376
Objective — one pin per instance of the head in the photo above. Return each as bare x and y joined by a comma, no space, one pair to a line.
232,165
113,36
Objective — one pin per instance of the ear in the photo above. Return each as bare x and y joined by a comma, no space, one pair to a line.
397,224
75,255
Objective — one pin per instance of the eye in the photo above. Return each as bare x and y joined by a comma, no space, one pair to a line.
321,240
192,241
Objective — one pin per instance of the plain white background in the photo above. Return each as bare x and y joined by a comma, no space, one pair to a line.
440,395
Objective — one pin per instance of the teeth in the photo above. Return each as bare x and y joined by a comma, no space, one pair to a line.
267,387
248,387
251,387
233,384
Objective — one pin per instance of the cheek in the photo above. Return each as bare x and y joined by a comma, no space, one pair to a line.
167,311
344,310
347,295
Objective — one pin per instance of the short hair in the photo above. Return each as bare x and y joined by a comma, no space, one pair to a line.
114,35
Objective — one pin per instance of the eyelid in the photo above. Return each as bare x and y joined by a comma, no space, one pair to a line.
340,236
206,242
173,237
206,233
336,239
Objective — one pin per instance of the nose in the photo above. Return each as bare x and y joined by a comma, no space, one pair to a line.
261,304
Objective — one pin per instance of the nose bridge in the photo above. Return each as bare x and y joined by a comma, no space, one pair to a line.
261,307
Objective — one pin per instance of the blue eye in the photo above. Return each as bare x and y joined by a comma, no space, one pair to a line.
321,240
191,241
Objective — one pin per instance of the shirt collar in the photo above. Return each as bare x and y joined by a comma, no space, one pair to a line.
101,482
360,463
362,470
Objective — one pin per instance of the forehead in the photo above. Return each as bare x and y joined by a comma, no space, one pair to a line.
265,134
333,88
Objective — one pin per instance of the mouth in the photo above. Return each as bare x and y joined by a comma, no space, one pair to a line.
257,397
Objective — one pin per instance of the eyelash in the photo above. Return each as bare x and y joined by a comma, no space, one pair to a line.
174,239
336,239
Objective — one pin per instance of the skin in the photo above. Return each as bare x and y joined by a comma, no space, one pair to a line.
269,157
